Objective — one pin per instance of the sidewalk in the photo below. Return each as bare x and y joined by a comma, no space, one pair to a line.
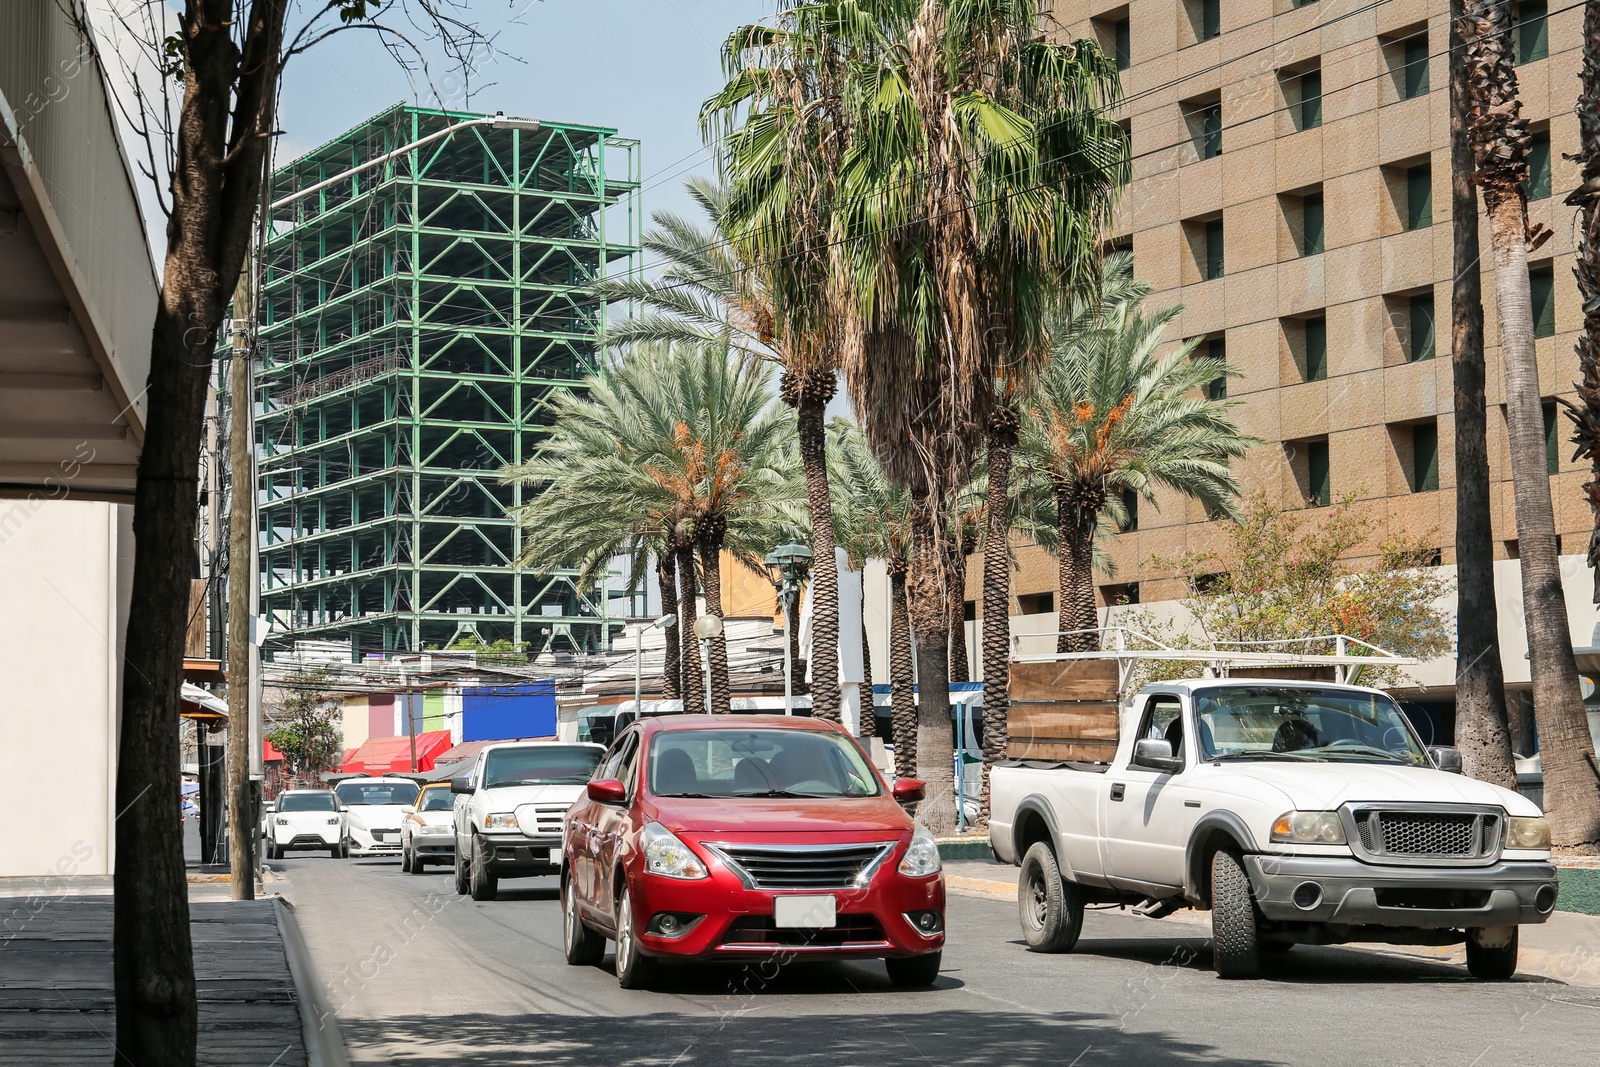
1566,948
57,1004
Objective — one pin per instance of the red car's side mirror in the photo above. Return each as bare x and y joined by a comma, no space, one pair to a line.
608,791
909,789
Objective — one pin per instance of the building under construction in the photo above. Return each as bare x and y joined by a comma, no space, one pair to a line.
417,319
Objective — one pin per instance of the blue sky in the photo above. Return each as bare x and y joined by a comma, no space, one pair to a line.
642,67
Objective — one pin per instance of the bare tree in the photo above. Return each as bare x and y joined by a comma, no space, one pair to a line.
205,125
1500,138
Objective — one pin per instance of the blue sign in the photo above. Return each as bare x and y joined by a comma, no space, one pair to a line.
502,712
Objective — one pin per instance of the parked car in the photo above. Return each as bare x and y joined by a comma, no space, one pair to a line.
425,833
509,816
1296,812
766,837
305,819
375,807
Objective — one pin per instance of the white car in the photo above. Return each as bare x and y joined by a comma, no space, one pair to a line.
375,808
510,815
425,834
304,819
1296,812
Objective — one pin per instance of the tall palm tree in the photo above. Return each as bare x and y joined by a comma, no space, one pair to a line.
1500,139
874,521
1111,415
978,169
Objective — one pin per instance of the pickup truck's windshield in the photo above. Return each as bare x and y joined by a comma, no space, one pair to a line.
1273,722
540,765
772,762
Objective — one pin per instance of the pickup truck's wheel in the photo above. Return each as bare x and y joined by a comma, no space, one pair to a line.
1491,953
482,884
1235,939
1051,908
914,970
635,970
334,850
463,884
584,947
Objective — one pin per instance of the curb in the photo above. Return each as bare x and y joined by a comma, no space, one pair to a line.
963,848
319,1027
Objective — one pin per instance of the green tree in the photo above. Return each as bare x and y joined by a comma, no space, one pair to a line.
711,289
307,726
1111,415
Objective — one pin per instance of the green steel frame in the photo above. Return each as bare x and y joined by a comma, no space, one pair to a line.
417,319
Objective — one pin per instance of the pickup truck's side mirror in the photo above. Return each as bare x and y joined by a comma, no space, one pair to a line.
908,789
1445,758
1156,754
461,785
608,791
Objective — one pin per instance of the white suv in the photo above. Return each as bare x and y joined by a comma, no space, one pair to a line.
305,819
375,808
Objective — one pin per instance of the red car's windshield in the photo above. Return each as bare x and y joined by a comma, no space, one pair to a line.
772,762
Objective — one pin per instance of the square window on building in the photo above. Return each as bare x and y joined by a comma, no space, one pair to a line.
1111,32
1552,436
1215,348
1542,288
1316,345
1530,31
1419,196
1129,522
1121,593
1419,339
1319,476
1537,187
1310,103
1405,53
1205,18
1415,78
1424,457
1213,250
1122,43
1204,118
1311,225
1036,603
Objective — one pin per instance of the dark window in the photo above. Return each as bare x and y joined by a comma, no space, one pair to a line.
1308,113
969,610
1419,196
1424,458
1542,288
1318,479
1213,261
1122,44
1414,76
1311,225
1211,583
1210,19
1316,331
1537,187
1036,603
1125,593
1130,508
1207,123
1216,348
1420,341
1552,437
1530,31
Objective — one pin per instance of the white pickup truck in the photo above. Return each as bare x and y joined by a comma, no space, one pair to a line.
1296,812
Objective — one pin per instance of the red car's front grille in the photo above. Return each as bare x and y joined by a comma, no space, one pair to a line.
759,930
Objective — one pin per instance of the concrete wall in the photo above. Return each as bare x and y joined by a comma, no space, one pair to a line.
65,579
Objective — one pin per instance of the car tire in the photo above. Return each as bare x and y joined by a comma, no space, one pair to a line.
344,849
405,858
635,970
418,866
334,850
1049,907
914,970
481,884
1491,963
584,947
1235,929
463,875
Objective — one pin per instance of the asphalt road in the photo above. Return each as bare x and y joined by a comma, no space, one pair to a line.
420,976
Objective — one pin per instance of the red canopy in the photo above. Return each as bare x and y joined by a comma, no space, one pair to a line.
381,755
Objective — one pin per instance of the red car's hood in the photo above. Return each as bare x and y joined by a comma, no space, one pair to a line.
788,816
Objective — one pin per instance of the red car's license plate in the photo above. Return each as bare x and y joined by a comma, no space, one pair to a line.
805,913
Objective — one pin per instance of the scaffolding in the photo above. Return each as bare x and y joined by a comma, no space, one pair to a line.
417,319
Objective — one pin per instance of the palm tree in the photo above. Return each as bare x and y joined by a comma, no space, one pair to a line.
1110,415
978,168
1500,139
874,522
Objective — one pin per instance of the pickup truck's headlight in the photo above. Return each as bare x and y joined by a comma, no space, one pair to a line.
665,854
922,858
1308,828
1524,831
502,821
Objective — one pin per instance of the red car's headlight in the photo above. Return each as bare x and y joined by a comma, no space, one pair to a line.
665,854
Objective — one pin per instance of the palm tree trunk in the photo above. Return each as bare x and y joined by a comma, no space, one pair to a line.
711,572
902,675
811,392
1481,728
672,654
1499,142
1586,413
1076,617
869,723
996,625
930,626
960,668
694,681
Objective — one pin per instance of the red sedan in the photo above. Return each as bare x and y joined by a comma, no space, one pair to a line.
717,838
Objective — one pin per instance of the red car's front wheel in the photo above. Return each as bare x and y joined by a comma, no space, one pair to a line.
583,946
634,969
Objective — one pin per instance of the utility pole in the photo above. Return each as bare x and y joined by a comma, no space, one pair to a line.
241,578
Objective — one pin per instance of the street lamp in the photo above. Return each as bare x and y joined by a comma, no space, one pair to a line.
662,623
788,565
706,628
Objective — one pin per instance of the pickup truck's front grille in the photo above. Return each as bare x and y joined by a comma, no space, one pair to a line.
541,820
1421,835
803,867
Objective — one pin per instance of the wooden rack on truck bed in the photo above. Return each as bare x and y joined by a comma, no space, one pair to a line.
1066,705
